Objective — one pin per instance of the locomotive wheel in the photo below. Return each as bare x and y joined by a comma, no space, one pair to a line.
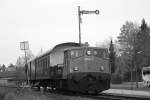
96,92
38,88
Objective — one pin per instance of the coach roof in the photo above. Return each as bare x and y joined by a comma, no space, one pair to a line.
72,48
66,44
58,46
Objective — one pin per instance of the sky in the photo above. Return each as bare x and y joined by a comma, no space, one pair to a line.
46,23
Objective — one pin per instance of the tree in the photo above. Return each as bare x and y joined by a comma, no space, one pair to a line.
143,45
112,57
11,66
30,55
0,68
3,68
127,42
22,60
135,49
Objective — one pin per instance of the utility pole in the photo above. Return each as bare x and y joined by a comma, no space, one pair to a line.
79,15
25,46
80,20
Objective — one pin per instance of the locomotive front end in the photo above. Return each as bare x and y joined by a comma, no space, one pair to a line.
88,69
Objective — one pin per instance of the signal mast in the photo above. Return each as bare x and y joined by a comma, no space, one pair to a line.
81,12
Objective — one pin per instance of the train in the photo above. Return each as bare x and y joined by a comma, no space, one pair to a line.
146,76
71,66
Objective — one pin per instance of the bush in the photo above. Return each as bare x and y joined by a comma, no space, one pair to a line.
116,78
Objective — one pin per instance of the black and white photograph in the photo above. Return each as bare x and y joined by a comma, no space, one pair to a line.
74,50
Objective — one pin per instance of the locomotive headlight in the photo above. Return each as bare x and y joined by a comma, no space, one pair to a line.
101,68
88,53
75,68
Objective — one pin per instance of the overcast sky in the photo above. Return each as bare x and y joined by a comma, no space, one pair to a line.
45,23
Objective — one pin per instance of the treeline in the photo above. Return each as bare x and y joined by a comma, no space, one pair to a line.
4,68
134,51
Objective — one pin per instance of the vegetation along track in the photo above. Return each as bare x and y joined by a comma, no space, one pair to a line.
100,96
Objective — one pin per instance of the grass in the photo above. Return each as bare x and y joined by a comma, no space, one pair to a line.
5,90
12,94
27,94
32,96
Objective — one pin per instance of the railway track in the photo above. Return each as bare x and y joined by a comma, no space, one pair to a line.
104,96
100,96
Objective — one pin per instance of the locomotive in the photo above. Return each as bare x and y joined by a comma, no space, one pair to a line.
69,66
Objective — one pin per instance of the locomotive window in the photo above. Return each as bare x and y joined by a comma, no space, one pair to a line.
76,53
100,53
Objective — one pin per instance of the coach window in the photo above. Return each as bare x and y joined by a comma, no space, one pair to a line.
48,62
104,54
42,64
38,64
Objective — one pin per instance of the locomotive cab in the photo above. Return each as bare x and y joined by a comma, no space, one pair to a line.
83,59
87,68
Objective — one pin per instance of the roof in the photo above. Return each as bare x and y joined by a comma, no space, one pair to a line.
66,44
85,47
57,46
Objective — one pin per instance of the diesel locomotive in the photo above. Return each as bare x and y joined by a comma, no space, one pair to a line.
70,66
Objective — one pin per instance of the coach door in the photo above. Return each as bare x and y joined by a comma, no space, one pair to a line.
66,64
